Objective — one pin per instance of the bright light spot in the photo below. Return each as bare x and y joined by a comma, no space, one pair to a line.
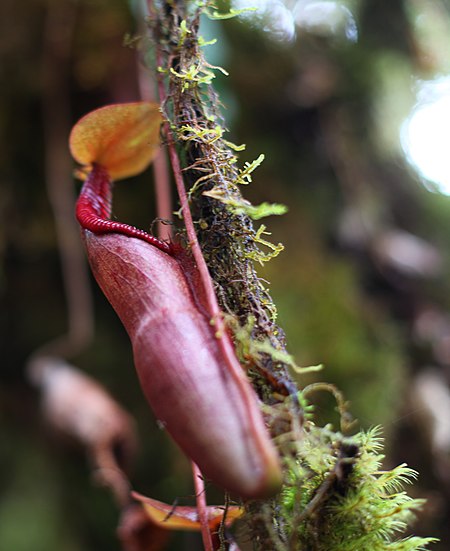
326,18
271,15
426,134
279,18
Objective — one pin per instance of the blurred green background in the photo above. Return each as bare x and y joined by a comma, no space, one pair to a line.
327,91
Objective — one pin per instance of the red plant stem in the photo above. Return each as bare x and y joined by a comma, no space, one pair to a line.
228,353
211,300
200,497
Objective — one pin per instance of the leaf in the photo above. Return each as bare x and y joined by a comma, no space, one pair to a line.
184,517
122,138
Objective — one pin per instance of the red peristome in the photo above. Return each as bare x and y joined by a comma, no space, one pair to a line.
213,417
93,210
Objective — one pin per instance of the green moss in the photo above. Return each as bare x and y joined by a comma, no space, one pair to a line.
338,499
334,497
